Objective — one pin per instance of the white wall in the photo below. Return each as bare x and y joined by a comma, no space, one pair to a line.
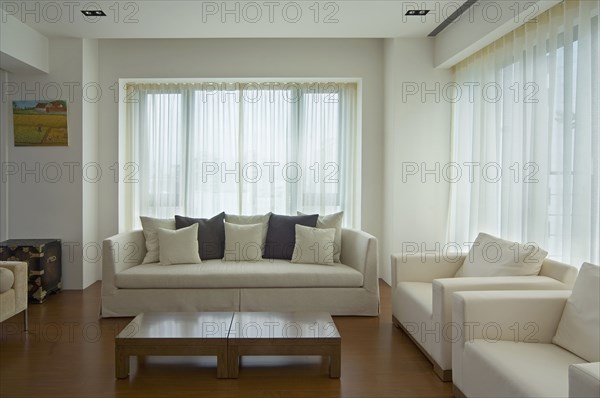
5,113
417,132
43,203
223,58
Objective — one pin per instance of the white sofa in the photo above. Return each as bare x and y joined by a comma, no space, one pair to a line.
505,349
347,288
422,287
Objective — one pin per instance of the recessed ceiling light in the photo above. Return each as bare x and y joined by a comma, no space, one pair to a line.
93,13
417,12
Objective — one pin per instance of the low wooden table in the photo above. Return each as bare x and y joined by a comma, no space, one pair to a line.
229,335
174,333
281,333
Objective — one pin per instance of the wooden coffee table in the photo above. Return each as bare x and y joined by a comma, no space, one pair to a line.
284,333
174,333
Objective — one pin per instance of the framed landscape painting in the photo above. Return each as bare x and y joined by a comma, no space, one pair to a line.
40,123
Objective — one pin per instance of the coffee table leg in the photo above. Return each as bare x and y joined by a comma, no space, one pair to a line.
121,364
335,363
222,363
233,362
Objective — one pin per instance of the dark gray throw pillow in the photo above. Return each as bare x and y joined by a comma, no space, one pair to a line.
211,234
281,236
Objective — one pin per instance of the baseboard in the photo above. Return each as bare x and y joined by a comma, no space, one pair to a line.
444,375
457,393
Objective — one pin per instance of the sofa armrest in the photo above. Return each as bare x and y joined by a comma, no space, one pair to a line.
444,288
120,252
424,267
359,251
20,285
584,380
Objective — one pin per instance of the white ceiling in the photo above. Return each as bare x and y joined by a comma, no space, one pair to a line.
209,19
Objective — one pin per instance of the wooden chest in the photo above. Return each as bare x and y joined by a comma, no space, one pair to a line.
43,257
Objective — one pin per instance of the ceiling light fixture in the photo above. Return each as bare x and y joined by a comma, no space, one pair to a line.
93,13
417,13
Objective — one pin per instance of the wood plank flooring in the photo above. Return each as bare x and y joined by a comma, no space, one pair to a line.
69,352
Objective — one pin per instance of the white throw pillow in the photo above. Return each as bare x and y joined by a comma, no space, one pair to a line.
246,220
149,225
7,279
178,246
243,242
579,327
314,245
491,256
332,221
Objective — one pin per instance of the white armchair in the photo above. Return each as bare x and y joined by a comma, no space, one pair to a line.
505,347
13,290
422,288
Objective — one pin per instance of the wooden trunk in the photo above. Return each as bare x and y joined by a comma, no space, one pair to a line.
43,257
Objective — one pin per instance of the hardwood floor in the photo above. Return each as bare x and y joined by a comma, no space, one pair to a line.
69,352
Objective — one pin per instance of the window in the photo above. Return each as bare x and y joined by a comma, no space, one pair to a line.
542,131
243,148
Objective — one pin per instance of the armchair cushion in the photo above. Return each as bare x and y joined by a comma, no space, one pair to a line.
491,256
517,369
579,326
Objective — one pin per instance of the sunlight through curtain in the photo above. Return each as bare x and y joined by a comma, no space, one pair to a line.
526,126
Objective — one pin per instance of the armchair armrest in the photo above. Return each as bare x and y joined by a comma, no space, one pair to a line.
444,288
120,252
424,267
530,316
562,272
584,380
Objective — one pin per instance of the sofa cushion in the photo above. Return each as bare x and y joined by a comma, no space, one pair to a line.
149,225
211,234
7,278
579,325
232,274
243,242
492,256
179,246
313,245
506,368
332,221
245,220
281,236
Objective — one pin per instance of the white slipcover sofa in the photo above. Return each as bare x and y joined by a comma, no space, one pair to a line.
422,288
346,288
528,343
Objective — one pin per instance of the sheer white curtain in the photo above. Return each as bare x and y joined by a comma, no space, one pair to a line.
243,148
525,135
